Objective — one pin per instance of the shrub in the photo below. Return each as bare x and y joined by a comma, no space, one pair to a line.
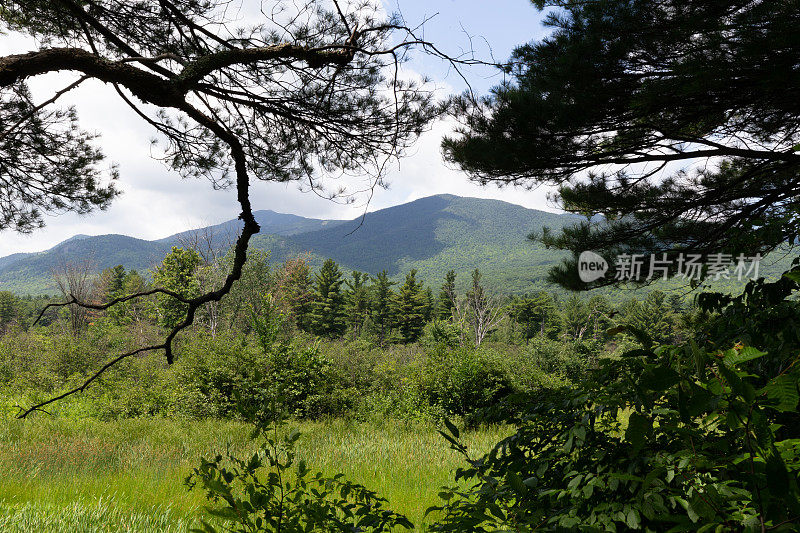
218,377
462,380
672,438
569,359
272,491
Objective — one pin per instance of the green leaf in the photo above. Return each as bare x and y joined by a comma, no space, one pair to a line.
777,476
693,516
568,445
632,519
639,427
658,378
748,353
516,483
451,427
784,391
793,275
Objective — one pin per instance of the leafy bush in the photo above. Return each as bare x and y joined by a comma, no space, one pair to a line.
462,380
218,376
569,359
441,333
676,437
272,491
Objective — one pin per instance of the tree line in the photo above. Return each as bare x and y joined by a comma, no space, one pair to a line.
334,304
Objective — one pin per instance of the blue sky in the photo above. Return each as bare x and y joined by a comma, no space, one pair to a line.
495,26
157,203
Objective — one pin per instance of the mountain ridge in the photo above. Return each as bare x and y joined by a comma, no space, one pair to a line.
431,234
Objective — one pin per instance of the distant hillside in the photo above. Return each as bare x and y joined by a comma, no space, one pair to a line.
270,222
31,274
432,234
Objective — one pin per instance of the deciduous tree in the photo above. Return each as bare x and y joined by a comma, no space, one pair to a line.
484,309
177,274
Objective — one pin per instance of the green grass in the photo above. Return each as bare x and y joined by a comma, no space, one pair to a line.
85,475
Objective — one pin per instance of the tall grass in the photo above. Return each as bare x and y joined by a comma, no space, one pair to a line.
86,475
100,516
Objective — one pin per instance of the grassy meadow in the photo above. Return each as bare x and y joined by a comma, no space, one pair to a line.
87,475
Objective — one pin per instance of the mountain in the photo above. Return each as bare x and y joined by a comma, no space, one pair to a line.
433,235
270,222
31,273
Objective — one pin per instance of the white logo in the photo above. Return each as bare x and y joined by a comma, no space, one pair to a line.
591,266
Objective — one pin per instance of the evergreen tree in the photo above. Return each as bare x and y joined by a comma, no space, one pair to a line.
410,305
447,294
177,273
327,309
621,97
356,302
111,282
293,287
655,316
111,285
383,311
430,304
536,314
574,318
600,313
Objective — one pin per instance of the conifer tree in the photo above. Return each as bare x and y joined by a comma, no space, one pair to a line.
293,287
677,121
535,313
112,282
430,304
383,311
410,305
444,305
327,309
574,318
600,313
111,285
655,316
356,302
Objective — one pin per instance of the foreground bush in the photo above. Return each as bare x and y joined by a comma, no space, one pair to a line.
678,438
272,491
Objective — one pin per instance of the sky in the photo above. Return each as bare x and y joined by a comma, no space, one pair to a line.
156,202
